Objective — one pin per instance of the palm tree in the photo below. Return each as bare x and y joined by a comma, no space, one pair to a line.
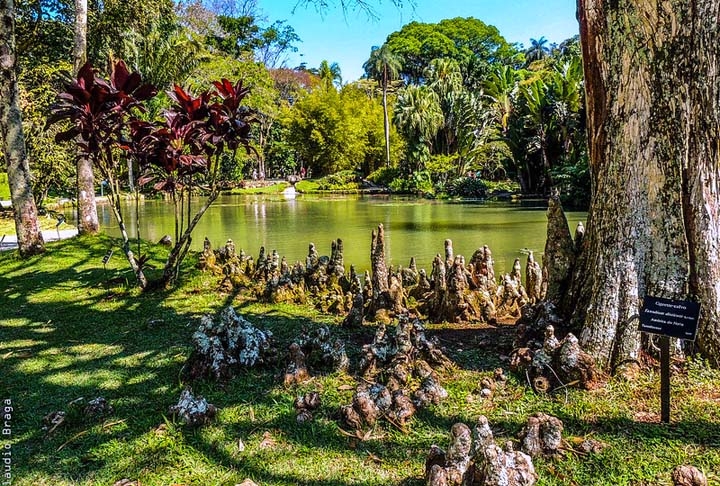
538,102
537,51
566,85
473,126
501,88
329,74
418,116
164,58
445,78
384,66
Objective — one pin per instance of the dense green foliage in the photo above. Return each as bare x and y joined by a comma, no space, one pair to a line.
522,123
334,130
441,101
470,42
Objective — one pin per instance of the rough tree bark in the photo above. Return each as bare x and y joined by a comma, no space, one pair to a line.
652,79
30,240
80,44
86,206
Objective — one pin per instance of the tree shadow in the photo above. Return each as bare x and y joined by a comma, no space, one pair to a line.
132,350
68,333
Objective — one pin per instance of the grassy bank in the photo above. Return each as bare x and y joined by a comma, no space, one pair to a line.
70,330
7,223
271,189
4,187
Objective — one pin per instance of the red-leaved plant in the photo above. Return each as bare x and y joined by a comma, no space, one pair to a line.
98,111
179,155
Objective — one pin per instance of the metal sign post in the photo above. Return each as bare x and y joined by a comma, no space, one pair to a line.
105,261
665,379
668,318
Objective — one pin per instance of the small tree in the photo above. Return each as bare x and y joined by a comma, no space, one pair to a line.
183,154
180,154
98,111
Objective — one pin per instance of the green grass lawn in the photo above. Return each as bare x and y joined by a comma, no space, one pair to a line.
271,189
68,329
4,188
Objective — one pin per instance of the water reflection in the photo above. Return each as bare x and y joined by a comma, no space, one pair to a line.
412,227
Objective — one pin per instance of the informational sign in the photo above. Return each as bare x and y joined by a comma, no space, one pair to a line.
674,318
107,256
669,318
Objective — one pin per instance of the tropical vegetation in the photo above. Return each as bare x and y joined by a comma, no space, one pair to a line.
445,109
439,102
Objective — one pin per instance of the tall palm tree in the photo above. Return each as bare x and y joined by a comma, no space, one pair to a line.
12,141
538,50
384,66
329,74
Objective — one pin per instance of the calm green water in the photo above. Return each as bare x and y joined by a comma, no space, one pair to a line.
412,227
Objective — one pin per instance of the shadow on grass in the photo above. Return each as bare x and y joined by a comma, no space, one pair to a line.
65,335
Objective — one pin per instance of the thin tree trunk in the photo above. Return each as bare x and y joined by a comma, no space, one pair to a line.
29,236
86,206
80,44
131,175
652,79
386,118
182,244
115,206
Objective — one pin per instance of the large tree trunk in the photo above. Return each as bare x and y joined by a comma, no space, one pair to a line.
652,78
86,205
30,240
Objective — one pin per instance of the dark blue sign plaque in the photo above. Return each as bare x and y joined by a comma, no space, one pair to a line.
674,318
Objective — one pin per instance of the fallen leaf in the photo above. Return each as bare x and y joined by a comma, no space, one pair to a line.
373,458
267,442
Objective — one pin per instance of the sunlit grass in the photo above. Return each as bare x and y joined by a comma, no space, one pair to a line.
276,188
46,222
69,330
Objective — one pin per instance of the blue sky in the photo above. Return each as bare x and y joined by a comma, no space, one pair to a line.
346,38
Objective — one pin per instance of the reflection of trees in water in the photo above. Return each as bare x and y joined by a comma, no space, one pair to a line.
413,227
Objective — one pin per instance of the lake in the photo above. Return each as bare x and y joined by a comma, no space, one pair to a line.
413,227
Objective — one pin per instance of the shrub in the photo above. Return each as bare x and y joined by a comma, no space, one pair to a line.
470,187
384,176
507,185
343,180
419,182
